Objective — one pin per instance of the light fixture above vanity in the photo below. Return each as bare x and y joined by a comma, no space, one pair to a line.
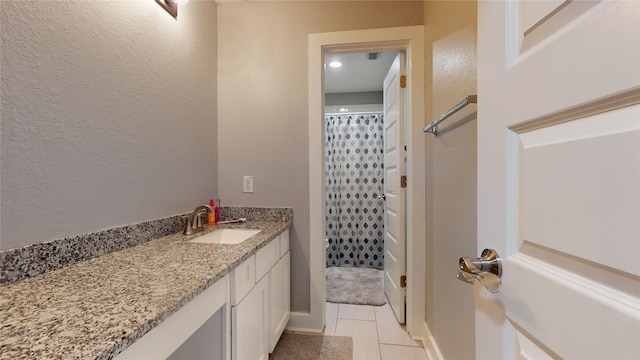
171,6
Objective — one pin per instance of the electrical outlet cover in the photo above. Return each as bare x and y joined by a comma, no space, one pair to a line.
247,184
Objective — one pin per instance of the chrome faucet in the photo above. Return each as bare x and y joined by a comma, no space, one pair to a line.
193,223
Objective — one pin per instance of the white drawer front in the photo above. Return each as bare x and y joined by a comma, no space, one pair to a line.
266,258
242,280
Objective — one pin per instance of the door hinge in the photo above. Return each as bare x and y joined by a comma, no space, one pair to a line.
403,81
403,281
403,181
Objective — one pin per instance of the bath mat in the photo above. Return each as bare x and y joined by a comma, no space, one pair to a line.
298,346
350,285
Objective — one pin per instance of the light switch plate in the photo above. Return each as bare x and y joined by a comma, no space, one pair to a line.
247,184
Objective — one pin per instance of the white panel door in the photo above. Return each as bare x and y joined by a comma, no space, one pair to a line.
559,178
394,238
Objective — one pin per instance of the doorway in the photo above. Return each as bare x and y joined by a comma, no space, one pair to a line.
354,149
411,40
354,158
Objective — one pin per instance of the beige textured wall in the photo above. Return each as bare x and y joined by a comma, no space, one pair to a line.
262,94
108,115
451,180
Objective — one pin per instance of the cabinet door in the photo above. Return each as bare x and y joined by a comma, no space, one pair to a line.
279,288
249,325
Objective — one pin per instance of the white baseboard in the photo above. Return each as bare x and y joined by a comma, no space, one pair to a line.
301,322
429,343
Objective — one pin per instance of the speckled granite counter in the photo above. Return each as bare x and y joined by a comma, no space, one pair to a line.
96,308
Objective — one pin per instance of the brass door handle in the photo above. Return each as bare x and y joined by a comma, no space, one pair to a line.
486,269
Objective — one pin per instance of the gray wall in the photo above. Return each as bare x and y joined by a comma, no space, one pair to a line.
262,92
108,115
358,98
451,175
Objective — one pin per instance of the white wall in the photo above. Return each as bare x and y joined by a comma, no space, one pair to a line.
451,174
108,115
262,89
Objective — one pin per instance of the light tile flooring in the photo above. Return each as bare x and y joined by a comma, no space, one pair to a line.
375,331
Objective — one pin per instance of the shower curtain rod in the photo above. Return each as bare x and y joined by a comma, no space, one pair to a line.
355,113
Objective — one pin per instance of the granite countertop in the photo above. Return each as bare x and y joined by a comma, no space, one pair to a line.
96,308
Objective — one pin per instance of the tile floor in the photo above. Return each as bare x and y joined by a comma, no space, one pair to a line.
375,331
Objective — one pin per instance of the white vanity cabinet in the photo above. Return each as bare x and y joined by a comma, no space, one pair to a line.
260,314
240,317
199,330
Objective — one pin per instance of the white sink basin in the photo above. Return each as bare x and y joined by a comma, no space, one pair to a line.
225,236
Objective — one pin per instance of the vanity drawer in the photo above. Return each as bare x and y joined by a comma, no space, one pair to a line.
243,278
266,258
284,242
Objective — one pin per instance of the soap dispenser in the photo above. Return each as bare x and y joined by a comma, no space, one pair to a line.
211,215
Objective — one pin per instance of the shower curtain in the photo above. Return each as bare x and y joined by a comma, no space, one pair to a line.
354,171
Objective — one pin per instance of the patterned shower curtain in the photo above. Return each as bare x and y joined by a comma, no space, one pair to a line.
354,170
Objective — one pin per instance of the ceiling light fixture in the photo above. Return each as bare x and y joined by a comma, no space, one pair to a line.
335,64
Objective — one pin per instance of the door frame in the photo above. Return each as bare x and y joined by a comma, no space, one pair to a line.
412,40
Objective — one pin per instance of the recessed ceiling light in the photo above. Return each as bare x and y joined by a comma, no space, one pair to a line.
335,64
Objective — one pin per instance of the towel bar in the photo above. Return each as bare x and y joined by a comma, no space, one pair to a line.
433,126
